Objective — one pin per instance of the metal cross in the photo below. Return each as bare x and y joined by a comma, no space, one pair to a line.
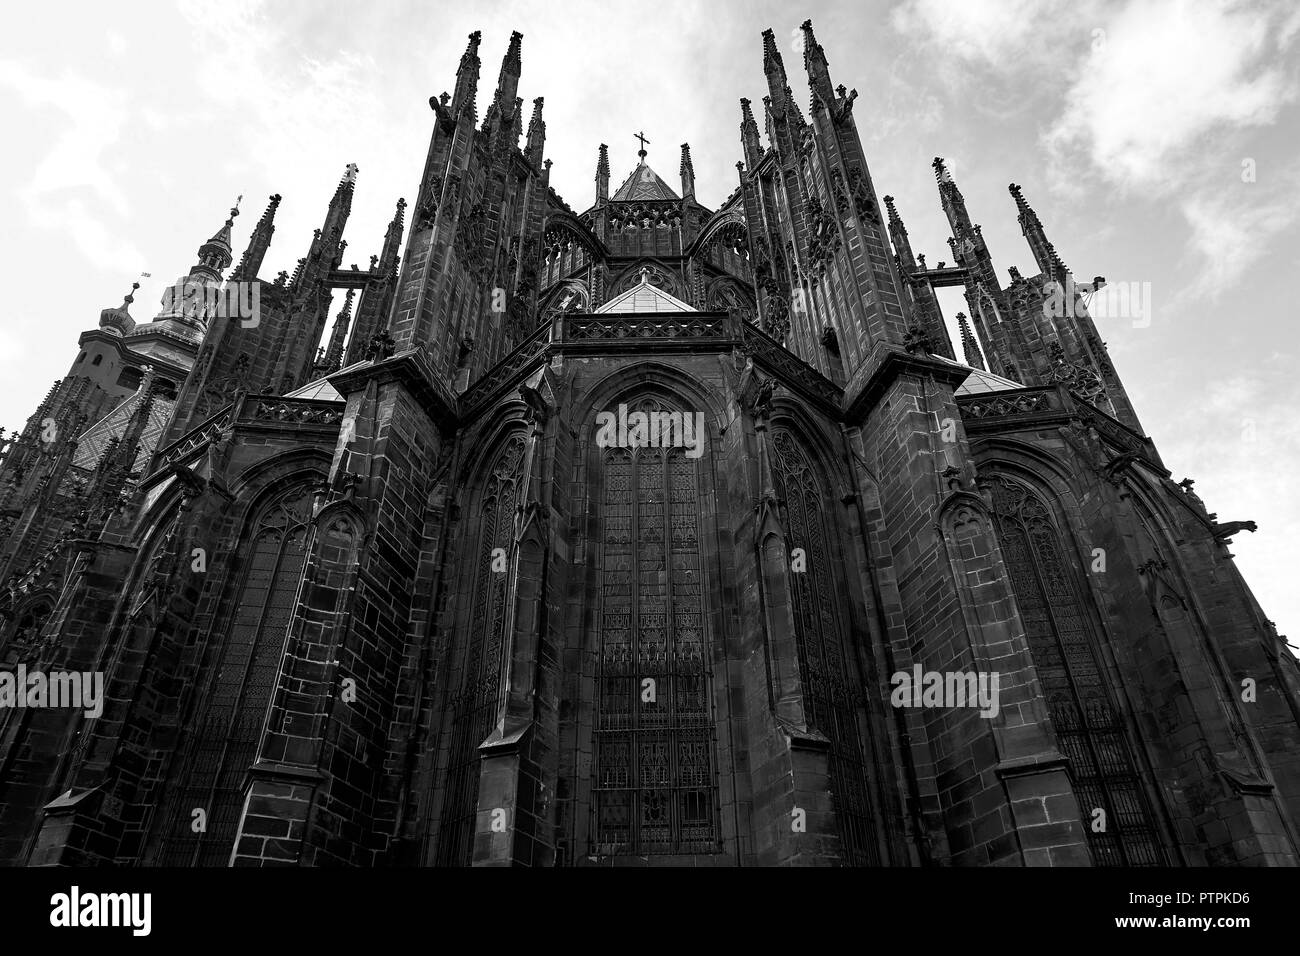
641,137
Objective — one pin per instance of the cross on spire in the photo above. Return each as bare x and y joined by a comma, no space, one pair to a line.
644,141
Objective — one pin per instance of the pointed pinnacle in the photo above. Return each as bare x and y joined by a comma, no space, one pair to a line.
1022,206
809,39
771,55
893,213
471,50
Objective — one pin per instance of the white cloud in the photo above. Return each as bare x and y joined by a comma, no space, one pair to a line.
1168,74
990,33
904,109
13,346
1232,439
1153,98
1234,227
999,57
72,189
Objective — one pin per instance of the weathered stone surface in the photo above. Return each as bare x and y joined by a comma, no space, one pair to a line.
433,609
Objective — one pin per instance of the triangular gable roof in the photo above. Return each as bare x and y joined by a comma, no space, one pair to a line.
644,183
319,389
644,297
979,381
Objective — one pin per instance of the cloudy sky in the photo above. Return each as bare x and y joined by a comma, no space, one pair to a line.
1159,141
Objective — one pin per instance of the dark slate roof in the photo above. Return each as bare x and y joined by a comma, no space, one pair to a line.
644,183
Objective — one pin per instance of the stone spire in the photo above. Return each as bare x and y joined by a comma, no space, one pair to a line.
377,301
258,243
602,174
749,140
898,235
536,134
814,61
970,348
508,78
339,335
502,120
954,204
924,304
327,242
341,203
388,255
215,255
1049,263
462,100
687,173
967,242
184,301
779,98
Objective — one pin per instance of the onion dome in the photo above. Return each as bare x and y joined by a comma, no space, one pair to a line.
117,319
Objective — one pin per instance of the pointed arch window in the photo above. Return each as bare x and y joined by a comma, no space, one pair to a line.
829,673
478,697
654,777
224,733
1088,725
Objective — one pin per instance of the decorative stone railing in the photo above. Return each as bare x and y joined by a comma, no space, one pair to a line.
290,411
672,331
504,372
1017,402
196,437
778,358
667,325
1119,434
1046,403
254,410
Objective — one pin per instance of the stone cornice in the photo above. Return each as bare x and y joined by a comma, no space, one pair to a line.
412,370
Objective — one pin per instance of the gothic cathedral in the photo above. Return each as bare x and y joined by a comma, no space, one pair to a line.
626,537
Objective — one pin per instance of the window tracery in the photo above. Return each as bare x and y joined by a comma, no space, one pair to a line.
226,729
829,673
1089,727
478,697
654,777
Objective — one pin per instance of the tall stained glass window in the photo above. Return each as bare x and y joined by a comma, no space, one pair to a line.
224,733
1088,725
654,780
832,689
478,695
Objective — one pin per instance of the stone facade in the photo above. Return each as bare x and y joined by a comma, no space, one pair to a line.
387,593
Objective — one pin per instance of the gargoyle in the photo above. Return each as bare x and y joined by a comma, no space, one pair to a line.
916,341
829,340
763,397
538,409
466,346
1227,529
1186,485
